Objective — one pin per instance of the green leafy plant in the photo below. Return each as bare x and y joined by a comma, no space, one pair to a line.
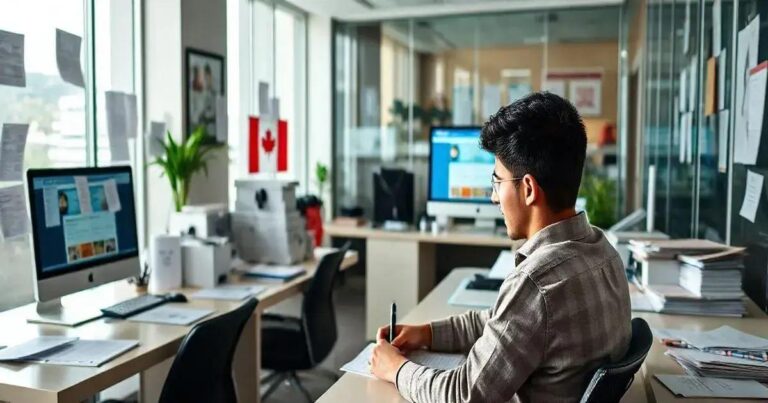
181,161
321,176
600,193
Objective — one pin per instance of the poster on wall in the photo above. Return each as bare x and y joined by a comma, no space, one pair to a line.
585,95
205,83
516,91
554,86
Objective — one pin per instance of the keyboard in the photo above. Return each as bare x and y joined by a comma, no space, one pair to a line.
133,306
484,283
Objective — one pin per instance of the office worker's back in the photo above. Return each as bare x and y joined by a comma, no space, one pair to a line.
562,313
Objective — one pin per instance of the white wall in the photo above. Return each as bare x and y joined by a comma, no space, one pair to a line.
319,94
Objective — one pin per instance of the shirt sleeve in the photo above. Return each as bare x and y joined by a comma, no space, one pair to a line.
512,342
459,332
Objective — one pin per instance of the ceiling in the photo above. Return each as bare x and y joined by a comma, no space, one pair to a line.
509,29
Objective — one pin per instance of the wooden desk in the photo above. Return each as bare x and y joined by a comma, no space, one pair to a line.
400,265
24,382
355,388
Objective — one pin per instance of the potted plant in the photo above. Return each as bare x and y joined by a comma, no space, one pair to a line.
181,161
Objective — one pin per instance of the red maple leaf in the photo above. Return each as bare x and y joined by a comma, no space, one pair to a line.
268,142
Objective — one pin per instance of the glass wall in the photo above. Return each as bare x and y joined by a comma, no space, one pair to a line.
66,128
393,80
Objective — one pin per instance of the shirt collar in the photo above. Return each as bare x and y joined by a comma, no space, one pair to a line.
576,227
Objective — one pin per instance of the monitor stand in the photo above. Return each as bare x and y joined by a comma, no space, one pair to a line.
482,226
54,313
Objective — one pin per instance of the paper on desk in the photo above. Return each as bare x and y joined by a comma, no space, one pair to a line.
12,59
68,57
746,58
229,292
752,195
445,361
32,347
275,271
13,141
14,221
171,315
321,251
694,386
504,265
85,353
724,337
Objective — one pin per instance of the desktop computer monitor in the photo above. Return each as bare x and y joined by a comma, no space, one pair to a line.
460,177
83,235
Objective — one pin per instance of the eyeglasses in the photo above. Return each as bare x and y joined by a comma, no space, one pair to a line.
495,183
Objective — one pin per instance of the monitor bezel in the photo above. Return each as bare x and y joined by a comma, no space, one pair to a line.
48,172
430,167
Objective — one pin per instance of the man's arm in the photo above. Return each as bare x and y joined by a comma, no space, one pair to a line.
513,343
458,332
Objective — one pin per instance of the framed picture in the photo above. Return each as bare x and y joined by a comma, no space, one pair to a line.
204,77
585,95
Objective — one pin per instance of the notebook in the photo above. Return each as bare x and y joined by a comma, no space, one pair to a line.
446,361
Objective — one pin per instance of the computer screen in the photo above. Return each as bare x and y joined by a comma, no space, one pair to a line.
459,170
81,218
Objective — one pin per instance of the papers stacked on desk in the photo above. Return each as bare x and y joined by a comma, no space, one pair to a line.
70,351
716,275
723,352
430,359
274,272
171,315
674,299
229,292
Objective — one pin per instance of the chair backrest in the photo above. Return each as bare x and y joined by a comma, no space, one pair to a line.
318,315
202,369
610,382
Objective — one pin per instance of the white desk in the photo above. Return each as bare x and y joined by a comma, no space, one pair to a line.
25,382
355,388
400,265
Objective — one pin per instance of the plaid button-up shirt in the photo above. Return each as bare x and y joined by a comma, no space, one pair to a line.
562,313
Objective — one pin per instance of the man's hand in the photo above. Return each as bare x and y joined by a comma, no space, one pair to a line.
386,361
407,337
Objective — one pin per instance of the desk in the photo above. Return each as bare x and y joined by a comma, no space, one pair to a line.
355,388
400,265
24,382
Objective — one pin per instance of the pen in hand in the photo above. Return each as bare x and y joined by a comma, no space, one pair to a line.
392,321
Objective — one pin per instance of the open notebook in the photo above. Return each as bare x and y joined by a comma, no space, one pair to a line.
423,357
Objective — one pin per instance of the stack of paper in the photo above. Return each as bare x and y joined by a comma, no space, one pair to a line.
671,248
694,386
724,340
274,272
430,359
674,299
706,364
70,351
229,292
716,275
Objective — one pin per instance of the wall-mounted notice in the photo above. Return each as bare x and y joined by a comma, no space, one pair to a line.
14,221
12,59
722,140
746,59
752,195
68,57
13,141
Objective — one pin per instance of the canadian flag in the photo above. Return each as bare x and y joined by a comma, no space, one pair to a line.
267,145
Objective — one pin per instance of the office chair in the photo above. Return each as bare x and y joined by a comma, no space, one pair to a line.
294,344
611,381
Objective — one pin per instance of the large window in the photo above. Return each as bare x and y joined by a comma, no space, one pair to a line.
65,120
278,58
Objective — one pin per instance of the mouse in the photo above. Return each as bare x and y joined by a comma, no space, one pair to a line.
176,297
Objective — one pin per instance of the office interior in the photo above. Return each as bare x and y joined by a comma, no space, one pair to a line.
340,104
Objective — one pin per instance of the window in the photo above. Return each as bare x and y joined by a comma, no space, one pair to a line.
62,130
278,58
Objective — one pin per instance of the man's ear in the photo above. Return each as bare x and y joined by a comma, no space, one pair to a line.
531,190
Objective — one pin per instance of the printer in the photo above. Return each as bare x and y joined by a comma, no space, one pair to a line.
266,226
202,221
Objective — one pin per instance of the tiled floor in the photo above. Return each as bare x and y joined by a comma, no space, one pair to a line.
350,311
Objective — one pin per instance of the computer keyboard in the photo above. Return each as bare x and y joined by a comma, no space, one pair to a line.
133,306
484,283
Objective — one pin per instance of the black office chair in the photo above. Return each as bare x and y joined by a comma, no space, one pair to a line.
611,381
202,369
294,344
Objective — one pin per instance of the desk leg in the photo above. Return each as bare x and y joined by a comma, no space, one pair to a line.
246,365
396,270
152,380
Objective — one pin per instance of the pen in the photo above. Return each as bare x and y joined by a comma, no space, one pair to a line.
392,321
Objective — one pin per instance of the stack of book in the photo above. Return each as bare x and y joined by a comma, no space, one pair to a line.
691,276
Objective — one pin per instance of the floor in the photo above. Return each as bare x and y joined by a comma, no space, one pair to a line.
350,310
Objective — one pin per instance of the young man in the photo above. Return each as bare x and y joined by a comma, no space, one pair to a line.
562,313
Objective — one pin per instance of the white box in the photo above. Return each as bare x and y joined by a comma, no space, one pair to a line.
270,238
277,196
205,265
201,221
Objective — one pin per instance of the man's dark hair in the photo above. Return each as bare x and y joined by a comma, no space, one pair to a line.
542,135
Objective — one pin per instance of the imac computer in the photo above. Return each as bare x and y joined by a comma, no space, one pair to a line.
83,235
460,177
